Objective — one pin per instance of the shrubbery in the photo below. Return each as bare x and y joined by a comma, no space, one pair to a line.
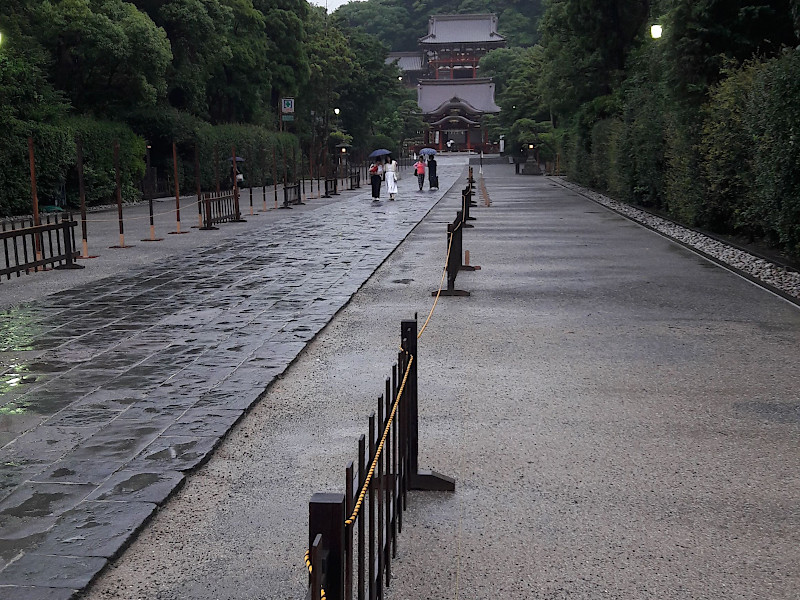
731,167
56,158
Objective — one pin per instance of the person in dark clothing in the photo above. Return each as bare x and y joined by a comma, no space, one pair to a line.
433,180
376,178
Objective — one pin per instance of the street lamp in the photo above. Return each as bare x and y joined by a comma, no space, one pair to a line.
656,31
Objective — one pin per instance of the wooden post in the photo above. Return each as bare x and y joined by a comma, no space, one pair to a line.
82,195
119,198
326,517
198,189
275,175
419,480
264,181
177,191
235,185
216,167
35,200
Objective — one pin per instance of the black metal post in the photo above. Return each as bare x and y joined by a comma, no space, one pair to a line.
418,480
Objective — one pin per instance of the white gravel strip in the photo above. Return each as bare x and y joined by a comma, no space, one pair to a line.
769,273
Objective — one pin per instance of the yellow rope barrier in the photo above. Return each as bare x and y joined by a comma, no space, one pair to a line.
379,451
362,494
147,216
441,283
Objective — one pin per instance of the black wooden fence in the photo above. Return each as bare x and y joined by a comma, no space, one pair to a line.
28,247
353,536
219,207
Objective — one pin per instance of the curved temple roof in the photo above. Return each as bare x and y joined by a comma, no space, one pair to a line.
407,61
475,94
450,29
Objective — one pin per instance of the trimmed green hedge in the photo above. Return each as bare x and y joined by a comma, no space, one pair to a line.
56,163
56,158
733,167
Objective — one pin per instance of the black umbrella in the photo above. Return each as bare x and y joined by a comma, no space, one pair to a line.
379,152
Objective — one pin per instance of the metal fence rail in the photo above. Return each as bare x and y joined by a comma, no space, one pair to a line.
28,247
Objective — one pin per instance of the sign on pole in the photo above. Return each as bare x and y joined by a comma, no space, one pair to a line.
287,105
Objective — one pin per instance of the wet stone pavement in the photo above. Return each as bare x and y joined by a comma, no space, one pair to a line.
111,392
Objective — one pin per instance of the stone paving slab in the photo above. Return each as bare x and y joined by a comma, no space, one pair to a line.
111,391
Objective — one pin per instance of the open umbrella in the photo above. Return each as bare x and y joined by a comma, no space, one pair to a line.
379,152
427,151
238,159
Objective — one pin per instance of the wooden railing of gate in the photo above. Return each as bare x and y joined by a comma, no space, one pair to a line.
291,194
355,179
219,207
28,247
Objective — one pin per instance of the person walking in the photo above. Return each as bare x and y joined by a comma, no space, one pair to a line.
390,171
433,179
376,178
419,170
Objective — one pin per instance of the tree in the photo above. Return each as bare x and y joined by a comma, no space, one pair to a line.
198,31
287,56
107,56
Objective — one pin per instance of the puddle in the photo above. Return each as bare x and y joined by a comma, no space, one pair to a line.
38,505
136,483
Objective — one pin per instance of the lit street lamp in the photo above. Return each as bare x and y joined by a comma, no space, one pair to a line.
655,31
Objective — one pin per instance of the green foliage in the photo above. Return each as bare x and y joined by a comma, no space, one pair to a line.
53,153
198,32
55,160
400,23
266,154
106,55
726,150
98,139
773,115
25,92
382,141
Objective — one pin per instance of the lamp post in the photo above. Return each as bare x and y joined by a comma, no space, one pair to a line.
656,31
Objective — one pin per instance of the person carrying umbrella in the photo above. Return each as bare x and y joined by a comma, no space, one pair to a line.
376,177
433,180
376,171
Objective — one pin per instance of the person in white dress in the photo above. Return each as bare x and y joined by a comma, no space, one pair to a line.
390,171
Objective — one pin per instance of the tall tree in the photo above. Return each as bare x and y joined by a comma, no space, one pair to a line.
107,55
198,31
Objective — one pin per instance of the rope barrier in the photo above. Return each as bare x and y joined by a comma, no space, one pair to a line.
307,558
379,450
363,492
441,283
147,216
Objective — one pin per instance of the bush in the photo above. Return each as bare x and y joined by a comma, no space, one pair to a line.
726,151
98,139
56,163
773,119
53,152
